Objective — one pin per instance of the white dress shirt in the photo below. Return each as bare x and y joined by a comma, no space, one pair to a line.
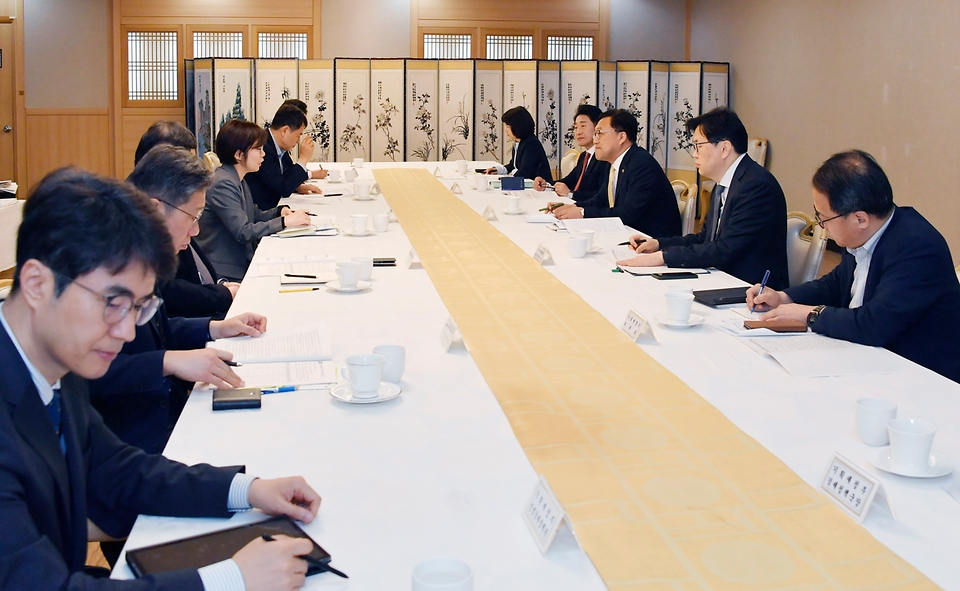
863,255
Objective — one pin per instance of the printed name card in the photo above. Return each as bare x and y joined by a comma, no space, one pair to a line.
544,515
450,334
851,488
489,214
634,325
455,189
413,260
542,256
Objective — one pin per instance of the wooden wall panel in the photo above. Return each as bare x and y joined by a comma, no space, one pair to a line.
224,9
525,13
61,137
134,123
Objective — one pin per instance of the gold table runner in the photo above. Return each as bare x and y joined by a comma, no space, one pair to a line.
663,490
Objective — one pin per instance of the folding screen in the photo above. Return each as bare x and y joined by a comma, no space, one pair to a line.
608,86
421,106
578,86
233,91
456,110
633,94
695,88
316,89
519,90
488,108
276,81
352,115
190,96
548,124
659,91
203,104
714,86
386,93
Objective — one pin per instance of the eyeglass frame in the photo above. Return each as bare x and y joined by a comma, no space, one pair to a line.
822,222
108,304
598,132
196,218
696,145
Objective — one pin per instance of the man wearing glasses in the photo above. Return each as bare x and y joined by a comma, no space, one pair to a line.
895,286
143,393
636,189
89,251
745,233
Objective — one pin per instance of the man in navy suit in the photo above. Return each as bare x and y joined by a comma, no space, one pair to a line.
636,190
89,250
895,286
590,173
279,176
745,233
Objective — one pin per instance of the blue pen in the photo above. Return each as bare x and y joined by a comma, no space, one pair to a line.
278,389
760,291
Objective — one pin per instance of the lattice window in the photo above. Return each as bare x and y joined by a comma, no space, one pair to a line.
285,45
569,48
447,47
152,65
509,47
217,44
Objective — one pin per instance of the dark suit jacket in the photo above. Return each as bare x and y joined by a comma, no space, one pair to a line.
186,296
232,224
752,236
596,177
644,200
911,300
269,184
530,160
47,497
137,402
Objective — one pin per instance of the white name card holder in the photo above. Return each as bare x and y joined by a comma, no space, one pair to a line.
489,214
853,489
437,173
375,190
450,335
392,217
635,326
545,517
413,259
455,189
542,256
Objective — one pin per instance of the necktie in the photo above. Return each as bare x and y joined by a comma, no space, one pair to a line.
53,409
206,277
586,162
718,195
610,188
285,161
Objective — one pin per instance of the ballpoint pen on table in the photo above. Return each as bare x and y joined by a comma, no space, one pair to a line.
278,389
300,276
322,567
299,289
763,284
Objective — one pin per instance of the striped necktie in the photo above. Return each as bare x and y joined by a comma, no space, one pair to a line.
586,162
53,410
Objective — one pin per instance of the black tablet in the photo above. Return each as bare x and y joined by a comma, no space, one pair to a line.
719,297
200,551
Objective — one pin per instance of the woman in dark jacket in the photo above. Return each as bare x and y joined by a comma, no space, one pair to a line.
528,160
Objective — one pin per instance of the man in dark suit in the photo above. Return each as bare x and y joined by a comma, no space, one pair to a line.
88,252
895,286
147,385
279,176
745,233
636,189
590,173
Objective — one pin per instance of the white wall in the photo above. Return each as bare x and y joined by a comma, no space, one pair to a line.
647,29
365,28
66,53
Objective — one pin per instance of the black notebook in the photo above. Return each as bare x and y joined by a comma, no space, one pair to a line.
719,297
236,398
200,551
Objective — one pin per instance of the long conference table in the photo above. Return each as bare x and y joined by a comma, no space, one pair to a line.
439,471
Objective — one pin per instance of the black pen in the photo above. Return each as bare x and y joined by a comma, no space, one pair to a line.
233,363
332,195
300,276
627,243
322,567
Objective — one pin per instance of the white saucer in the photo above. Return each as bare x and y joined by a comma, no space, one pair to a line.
368,198
518,212
695,320
350,233
387,391
334,182
939,465
335,286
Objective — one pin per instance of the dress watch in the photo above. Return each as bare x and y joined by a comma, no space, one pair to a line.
813,315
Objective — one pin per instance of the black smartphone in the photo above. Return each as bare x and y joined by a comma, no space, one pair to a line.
384,262
677,275
480,170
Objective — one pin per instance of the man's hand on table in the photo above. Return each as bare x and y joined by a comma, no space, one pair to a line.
246,324
653,259
308,189
567,212
291,496
203,366
274,566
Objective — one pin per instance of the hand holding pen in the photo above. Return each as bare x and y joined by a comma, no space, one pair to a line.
763,284
550,207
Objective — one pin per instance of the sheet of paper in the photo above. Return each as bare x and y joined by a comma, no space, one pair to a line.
621,253
746,313
299,373
600,225
302,265
540,218
309,342
813,355
321,271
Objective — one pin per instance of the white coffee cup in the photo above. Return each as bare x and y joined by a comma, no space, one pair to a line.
873,414
394,359
513,203
680,289
590,235
910,443
363,371
678,306
350,175
577,246
443,574
348,272
358,162
362,190
358,223
333,175
366,268
481,181
462,166
381,221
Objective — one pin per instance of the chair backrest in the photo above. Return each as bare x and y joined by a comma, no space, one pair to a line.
568,162
806,242
679,188
818,244
757,150
211,160
706,189
958,272
689,211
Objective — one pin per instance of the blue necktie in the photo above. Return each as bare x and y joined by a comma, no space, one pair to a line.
53,409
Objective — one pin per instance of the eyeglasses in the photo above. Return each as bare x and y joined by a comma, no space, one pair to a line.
597,132
196,218
696,146
822,222
117,307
